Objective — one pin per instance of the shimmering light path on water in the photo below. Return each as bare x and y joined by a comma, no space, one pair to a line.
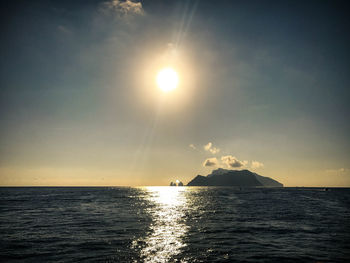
168,227
174,224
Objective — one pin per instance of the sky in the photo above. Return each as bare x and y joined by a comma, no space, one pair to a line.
263,85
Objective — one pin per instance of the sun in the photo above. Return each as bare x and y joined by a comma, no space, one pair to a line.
167,79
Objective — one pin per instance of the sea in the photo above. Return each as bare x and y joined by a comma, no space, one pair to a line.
174,224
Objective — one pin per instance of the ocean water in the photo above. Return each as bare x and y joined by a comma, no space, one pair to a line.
174,224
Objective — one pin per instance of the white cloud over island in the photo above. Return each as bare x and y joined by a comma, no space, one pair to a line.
233,162
256,164
225,161
210,162
210,148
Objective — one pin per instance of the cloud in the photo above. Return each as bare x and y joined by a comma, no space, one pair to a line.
122,8
340,171
233,162
207,146
63,30
210,162
192,146
210,148
256,164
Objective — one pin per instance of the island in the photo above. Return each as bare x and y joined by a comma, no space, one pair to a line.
177,183
239,178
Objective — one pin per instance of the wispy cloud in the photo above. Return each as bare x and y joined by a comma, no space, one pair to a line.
210,148
256,165
122,8
192,146
340,171
210,162
233,162
63,29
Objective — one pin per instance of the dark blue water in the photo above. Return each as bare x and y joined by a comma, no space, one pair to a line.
174,224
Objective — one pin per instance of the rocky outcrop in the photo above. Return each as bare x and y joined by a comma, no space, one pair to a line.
241,178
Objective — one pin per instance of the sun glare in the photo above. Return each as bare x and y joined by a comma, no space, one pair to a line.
167,79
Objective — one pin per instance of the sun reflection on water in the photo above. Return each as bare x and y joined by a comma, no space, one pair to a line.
168,227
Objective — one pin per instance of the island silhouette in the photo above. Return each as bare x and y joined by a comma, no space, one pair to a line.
240,178
177,183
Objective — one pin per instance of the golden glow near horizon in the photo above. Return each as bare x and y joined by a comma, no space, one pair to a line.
167,79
